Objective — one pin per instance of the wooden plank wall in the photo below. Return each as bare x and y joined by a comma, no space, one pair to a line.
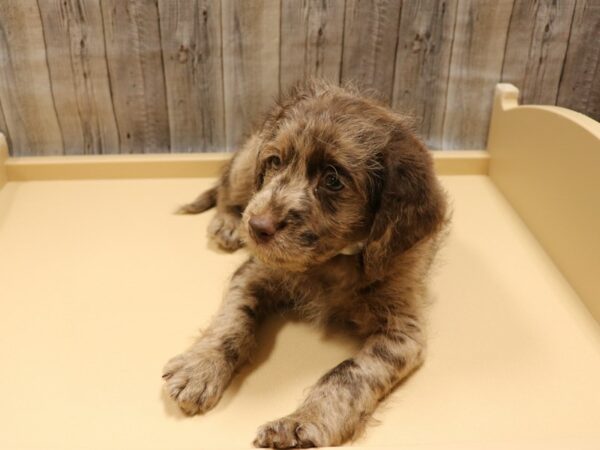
136,76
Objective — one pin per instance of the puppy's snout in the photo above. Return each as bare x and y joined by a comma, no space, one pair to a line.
265,226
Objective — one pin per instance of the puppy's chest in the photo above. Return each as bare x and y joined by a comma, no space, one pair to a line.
336,296
336,280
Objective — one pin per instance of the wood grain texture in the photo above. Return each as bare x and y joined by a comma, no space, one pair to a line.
311,40
25,89
147,76
370,39
580,84
250,63
475,67
191,42
423,64
133,49
536,46
4,128
76,58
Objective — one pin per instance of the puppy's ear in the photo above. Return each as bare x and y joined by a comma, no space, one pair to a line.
411,204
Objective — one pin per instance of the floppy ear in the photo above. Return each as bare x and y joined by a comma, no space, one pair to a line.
411,205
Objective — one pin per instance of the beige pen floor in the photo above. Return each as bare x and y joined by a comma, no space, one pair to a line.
100,284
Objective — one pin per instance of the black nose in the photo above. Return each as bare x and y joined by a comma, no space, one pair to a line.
264,227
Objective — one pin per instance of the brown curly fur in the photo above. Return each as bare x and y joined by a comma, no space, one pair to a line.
315,139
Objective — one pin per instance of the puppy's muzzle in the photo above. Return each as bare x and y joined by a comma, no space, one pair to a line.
264,227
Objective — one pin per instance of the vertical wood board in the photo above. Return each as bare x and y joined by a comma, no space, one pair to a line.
76,55
535,48
311,40
136,73
370,39
580,84
191,42
423,63
475,68
250,63
25,88
4,128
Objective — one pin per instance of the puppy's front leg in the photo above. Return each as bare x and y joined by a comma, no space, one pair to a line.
197,378
339,404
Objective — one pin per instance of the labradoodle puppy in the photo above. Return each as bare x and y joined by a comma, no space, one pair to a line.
338,204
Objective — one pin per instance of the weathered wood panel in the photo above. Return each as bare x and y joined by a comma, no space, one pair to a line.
76,58
135,66
311,40
475,67
4,128
25,89
250,63
191,42
580,84
131,76
370,39
536,46
423,63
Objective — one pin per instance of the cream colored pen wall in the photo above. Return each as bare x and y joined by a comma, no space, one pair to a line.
546,161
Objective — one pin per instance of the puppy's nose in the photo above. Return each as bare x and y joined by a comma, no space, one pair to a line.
264,226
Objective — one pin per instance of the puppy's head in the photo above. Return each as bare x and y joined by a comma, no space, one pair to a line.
334,169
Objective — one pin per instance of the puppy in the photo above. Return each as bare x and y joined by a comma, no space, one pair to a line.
339,207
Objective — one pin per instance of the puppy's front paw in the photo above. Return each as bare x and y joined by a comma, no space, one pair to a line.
290,432
224,230
196,381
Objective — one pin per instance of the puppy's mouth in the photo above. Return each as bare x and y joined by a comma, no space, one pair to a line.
280,244
278,256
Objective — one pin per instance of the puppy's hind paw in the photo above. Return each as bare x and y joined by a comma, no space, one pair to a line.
223,229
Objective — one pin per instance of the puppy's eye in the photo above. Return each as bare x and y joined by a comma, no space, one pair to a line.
273,162
332,181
